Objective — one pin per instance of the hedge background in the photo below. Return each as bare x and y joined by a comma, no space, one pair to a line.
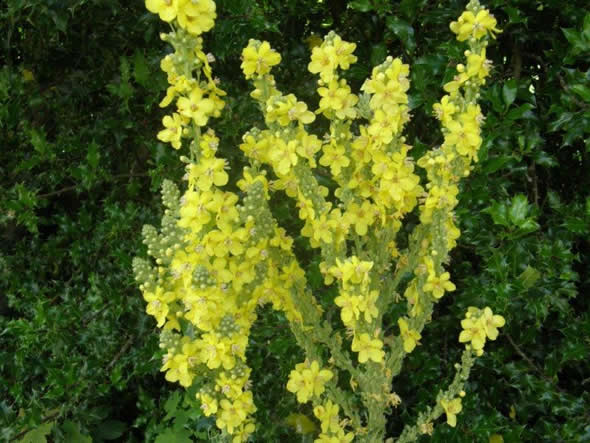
80,170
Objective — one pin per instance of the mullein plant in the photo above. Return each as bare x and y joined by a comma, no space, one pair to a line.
221,255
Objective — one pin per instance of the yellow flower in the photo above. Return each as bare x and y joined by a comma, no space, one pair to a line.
470,25
299,112
444,110
208,404
196,107
478,66
368,305
308,146
313,41
452,408
166,9
438,285
335,157
491,323
196,16
298,385
323,61
307,380
243,432
283,155
361,216
258,58
209,172
343,52
328,416
368,349
177,370
385,125
333,96
350,307
322,229
173,131
157,304
234,414
409,336
473,331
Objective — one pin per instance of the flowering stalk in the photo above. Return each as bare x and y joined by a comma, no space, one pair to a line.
218,258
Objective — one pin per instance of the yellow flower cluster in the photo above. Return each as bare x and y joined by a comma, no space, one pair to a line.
220,256
479,325
218,260
358,306
197,99
461,118
377,184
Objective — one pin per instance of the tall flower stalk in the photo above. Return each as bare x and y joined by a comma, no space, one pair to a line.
219,257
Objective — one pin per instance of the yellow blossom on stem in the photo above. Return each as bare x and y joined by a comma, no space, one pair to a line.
307,380
335,157
491,323
470,25
350,307
361,216
327,414
234,413
196,107
444,110
173,131
438,285
196,16
323,62
452,408
474,332
409,336
368,349
166,9
258,58
343,52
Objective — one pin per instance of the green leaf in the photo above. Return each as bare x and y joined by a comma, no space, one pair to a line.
72,433
544,159
378,54
171,405
509,92
522,112
403,30
361,5
495,163
499,213
410,8
582,91
518,209
141,71
174,436
586,28
564,117
93,155
39,142
572,36
39,434
111,429
529,277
